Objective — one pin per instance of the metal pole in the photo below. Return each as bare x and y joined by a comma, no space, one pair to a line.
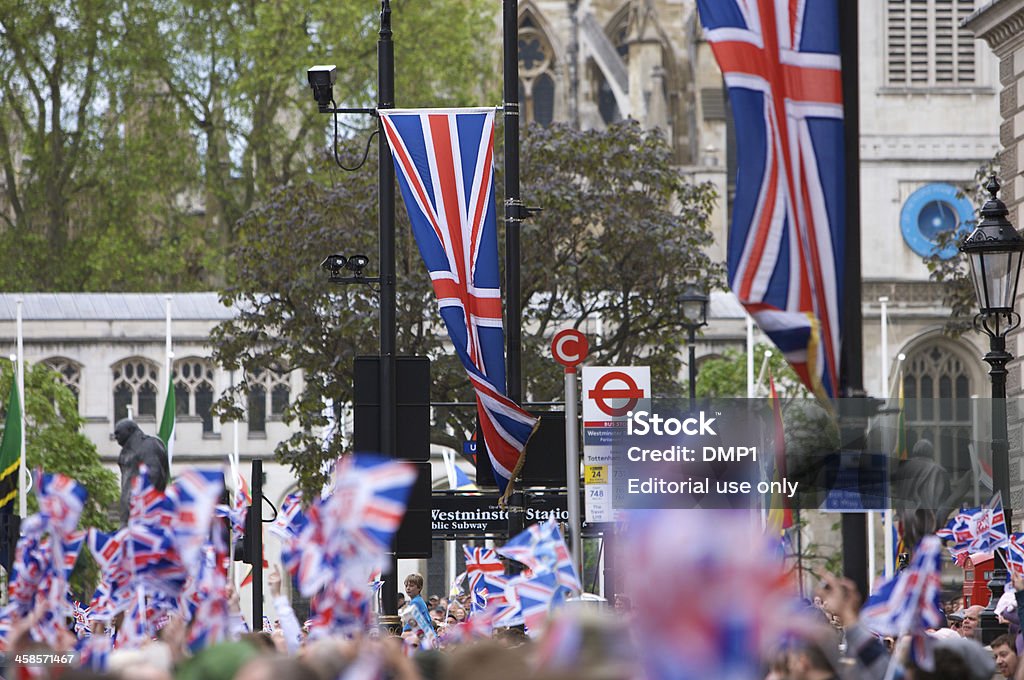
513,218
256,540
693,364
513,203
750,357
572,468
853,423
19,377
388,327
888,563
997,358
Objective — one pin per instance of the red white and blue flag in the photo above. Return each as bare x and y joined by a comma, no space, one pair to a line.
911,602
977,529
1015,554
542,549
781,62
444,163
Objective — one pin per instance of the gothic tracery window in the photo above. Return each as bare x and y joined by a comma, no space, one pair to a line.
937,392
193,389
536,74
135,382
269,394
70,373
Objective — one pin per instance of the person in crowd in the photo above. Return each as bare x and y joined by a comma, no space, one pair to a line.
813,660
972,617
291,631
1004,651
956,621
413,588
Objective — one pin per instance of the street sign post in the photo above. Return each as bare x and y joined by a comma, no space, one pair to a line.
569,347
609,394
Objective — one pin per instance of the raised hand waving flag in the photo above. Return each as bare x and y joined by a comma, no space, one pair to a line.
781,66
443,159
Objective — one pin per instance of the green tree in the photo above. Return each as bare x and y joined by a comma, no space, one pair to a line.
134,135
236,71
54,441
620,235
726,376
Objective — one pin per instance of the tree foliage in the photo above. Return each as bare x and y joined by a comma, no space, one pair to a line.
620,235
55,443
134,135
726,376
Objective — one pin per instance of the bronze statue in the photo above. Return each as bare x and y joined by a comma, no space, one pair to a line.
923,495
138,448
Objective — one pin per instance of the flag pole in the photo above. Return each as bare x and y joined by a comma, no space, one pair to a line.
889,543
20,377
168,357
751,390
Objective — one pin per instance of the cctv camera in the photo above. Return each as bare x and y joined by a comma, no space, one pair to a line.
357,263
333,264
321,79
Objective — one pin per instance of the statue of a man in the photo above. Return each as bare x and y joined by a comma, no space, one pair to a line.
138,448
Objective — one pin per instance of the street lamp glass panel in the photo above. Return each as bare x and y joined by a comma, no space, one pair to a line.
995,277
693,303
693,311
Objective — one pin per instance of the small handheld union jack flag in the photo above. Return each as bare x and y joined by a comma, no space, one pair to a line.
542,549
978,529
911,602
443,159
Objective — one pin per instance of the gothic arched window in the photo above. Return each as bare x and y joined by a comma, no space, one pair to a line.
269,394
536,74
135,382
70,373
193,389
937,392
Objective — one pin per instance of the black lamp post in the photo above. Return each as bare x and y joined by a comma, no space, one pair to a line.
994,249
694,305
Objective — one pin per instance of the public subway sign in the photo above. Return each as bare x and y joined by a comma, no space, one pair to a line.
478,515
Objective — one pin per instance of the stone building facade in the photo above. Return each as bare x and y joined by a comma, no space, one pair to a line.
929,118
1001,25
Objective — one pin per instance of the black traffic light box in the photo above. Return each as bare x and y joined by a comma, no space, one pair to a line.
412,382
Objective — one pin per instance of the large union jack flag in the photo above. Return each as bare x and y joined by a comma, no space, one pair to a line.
443,159
780,59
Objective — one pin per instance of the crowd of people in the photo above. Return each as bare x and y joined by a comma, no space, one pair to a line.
692,604
581,640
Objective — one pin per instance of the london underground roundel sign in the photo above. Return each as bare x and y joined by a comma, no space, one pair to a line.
569,347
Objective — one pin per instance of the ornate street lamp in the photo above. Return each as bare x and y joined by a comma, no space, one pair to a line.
694,305
994,249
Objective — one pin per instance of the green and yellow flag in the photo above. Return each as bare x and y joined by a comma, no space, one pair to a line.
10,452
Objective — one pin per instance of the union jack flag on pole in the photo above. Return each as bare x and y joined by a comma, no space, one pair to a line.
444,164
781,62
